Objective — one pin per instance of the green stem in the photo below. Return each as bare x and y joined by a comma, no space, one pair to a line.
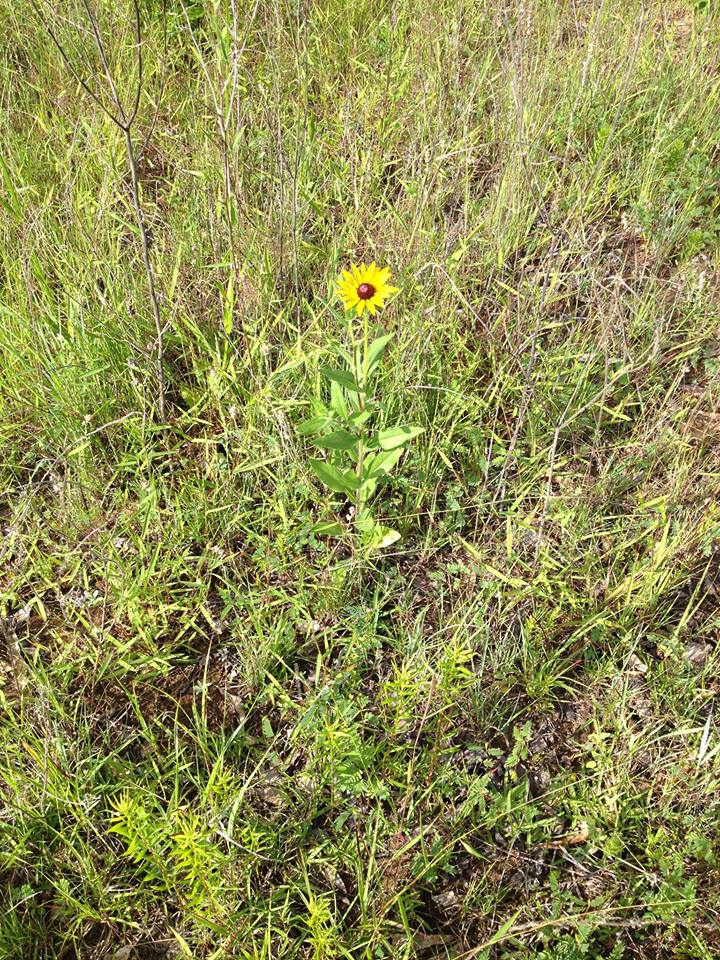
362,383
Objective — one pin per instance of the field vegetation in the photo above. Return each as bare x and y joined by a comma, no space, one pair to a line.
234,722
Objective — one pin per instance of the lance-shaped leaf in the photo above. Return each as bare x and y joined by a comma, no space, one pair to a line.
314,425
328,528
337,440
376,350
383,536
376,466
343,377
397,436
340,481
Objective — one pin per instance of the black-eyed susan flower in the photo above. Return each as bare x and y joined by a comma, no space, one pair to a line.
365,287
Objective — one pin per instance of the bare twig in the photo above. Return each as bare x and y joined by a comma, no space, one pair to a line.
159,345
124,120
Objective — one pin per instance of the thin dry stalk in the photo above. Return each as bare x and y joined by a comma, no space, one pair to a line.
124,120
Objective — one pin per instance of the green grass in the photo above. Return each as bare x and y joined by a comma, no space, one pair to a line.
223,735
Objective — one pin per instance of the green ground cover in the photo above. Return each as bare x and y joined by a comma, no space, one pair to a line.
225,734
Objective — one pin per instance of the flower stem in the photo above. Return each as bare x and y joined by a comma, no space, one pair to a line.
361,376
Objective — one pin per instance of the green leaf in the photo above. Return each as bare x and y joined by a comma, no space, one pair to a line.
337,401
361,417
384,536
397,436
382,462
337,440
376,350
364,523
376,535
342,377
376,466
341,481
314,425
328,528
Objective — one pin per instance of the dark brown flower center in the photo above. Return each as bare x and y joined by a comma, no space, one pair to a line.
365,291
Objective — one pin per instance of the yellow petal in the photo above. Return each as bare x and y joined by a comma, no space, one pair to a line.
360,307
371,306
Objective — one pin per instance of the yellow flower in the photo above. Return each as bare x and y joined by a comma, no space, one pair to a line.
365,287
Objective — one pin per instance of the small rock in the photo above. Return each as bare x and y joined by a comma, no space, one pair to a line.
474,758
542,742
697,654
445,900
235,705
23,615
539,781
268,791
635,664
